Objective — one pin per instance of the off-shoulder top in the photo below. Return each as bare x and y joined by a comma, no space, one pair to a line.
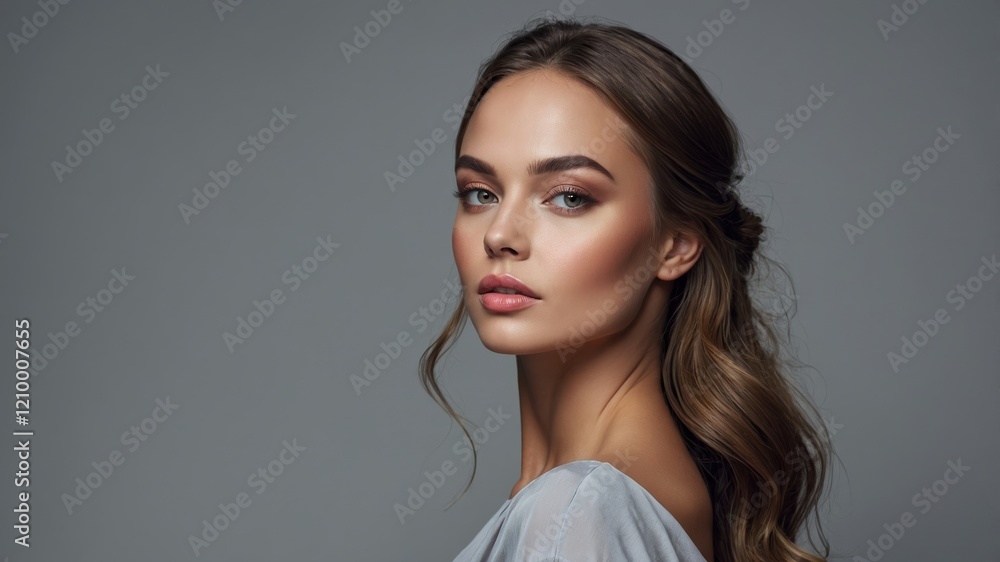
582,511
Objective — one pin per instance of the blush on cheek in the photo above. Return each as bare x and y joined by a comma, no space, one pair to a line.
458,243
593,292
582,293
463,250
597,271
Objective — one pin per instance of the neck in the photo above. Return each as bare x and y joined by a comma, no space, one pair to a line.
594,402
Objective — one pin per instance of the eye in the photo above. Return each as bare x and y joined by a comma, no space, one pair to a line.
462,194
576,199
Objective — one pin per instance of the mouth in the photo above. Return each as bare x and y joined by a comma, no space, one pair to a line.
505,284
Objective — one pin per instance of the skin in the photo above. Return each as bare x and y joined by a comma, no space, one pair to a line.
588,385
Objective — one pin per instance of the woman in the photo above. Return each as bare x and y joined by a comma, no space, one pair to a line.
600,240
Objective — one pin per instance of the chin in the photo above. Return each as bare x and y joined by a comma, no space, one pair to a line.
509,342
507,346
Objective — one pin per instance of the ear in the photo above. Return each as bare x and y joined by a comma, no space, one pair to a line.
678,254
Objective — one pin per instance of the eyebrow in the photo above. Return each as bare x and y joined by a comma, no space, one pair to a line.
536,167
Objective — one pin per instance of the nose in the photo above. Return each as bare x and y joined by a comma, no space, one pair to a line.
509,232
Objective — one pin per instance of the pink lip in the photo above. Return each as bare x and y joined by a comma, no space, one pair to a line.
503,302
500,302
506,281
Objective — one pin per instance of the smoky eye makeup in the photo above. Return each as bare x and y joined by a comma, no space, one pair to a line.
574,199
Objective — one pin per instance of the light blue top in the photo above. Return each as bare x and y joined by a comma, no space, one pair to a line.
582,511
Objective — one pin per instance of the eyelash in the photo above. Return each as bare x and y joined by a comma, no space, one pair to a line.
461,193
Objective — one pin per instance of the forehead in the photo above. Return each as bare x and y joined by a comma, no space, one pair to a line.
542,113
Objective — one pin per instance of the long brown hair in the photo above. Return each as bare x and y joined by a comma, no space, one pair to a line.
724,377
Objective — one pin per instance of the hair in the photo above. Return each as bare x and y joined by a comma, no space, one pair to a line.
723,374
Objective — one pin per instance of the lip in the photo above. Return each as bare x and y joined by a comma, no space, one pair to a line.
499,302
503,302
506,281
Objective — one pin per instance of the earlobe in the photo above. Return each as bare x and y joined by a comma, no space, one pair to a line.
680,251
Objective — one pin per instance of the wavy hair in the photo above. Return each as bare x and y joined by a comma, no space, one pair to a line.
724,376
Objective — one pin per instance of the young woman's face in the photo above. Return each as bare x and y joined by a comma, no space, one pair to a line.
577,238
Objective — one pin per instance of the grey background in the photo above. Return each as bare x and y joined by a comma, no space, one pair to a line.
162,336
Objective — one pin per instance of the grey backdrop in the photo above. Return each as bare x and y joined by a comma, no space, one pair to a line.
904,80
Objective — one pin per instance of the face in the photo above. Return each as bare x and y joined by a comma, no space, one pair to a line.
574,229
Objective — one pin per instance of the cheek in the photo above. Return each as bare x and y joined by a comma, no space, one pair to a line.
460,244
588,264
598,280
589,277
463,247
